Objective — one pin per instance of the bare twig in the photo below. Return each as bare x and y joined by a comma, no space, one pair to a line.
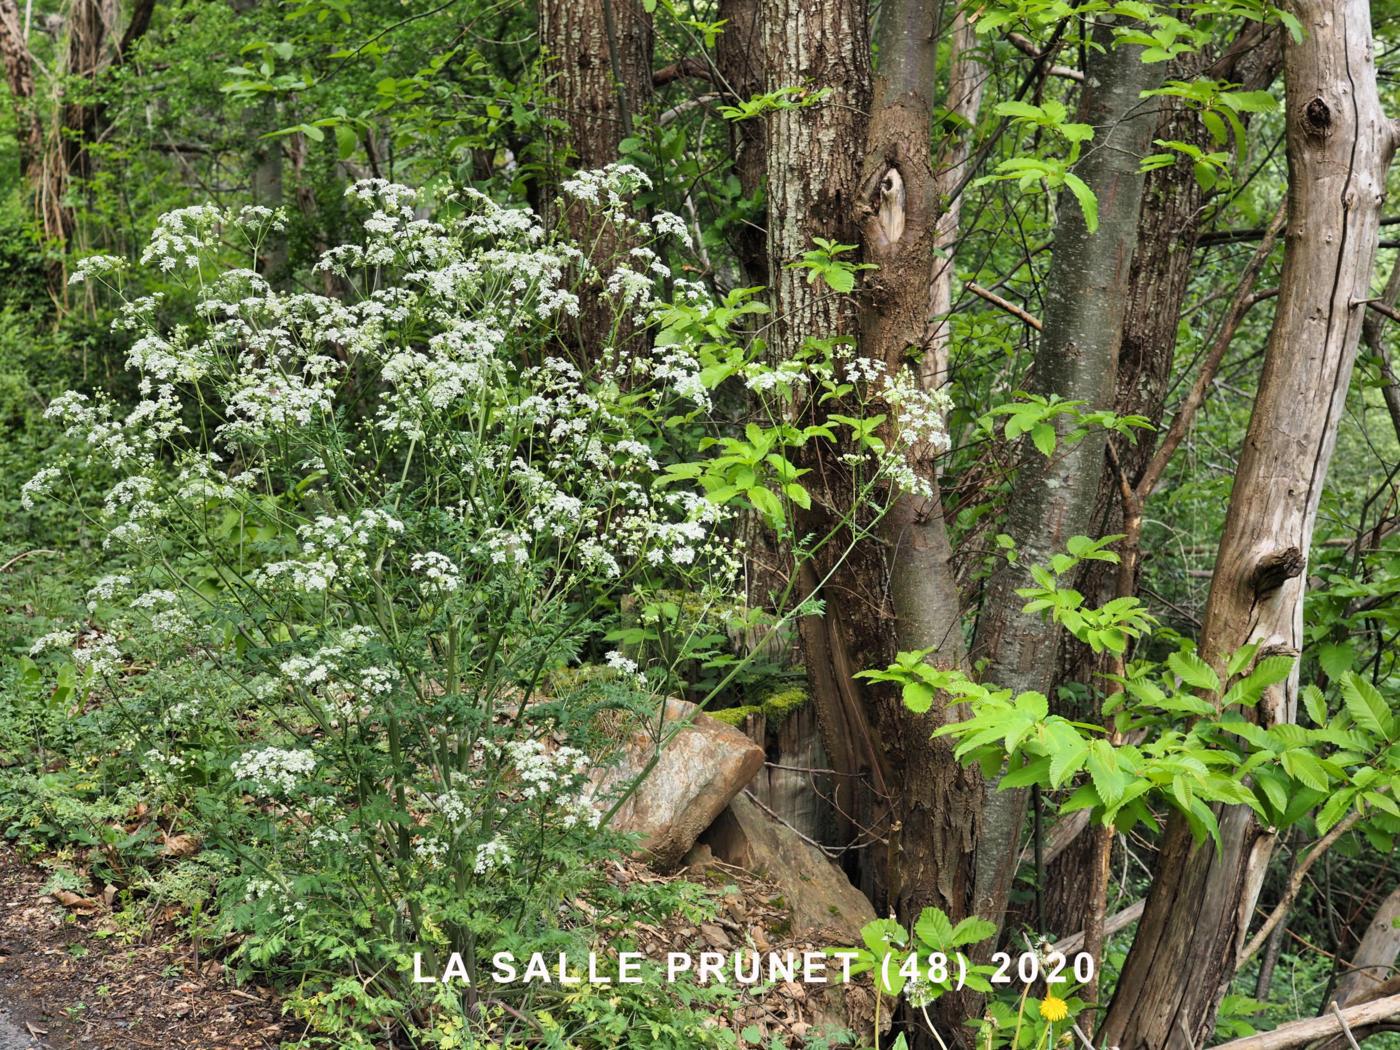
1295,883
1346,1028
1005,304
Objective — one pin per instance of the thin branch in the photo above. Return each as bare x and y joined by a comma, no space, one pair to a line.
1257,232
686,67
1244,298
1005,304
1346,1028
1295,883
1027,47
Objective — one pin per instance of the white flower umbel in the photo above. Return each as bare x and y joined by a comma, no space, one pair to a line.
274,770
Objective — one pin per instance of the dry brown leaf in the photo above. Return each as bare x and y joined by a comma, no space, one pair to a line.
72,900
180,845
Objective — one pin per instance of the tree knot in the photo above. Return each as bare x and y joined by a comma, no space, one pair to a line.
1317,118
1274,569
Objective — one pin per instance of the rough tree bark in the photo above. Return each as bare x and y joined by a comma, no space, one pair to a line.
1339,144
1053,499
19,75
935,802
601,53
813,178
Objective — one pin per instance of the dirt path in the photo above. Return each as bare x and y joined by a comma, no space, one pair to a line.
12,1037
72,976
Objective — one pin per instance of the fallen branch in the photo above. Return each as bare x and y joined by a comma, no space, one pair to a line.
1122,920
1300,1033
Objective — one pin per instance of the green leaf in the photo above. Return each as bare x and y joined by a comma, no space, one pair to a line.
1102,764
934,928
1336,659
1315,704
1068,752
918,696
1043,434
345,141
1304,767
1194,671
1366,705
1333,810
971,930
1088,203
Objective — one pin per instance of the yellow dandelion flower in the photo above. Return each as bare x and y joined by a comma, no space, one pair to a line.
1053,1008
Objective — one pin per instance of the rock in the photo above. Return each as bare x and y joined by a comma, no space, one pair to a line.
822,902
700,769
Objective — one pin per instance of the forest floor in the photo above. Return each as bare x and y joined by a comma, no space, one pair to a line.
68,981
71,979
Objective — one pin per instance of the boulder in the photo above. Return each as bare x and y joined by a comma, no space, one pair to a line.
823,904
701,768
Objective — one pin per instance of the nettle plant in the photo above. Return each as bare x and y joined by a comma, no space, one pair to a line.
360,533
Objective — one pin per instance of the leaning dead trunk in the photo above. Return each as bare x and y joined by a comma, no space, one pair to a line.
1339,144
1375,956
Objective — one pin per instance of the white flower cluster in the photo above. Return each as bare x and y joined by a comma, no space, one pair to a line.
491,856
555,776
182,235
439,572
274,770
340,675
333,547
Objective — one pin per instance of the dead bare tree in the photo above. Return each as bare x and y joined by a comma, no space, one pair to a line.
1339,146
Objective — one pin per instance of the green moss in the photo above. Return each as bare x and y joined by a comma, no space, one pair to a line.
780,703
735,716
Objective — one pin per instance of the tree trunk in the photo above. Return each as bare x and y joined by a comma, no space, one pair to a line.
934,801
1053,499
812,180
600,52
19,75
1339,145
813,156
739,58
1169,222
1375,956
967,82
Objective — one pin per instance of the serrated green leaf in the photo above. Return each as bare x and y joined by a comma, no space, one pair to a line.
1102,764
1366,705
1194,671
1088,203
1336,660
1315,704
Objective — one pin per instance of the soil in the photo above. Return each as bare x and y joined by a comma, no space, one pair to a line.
70,981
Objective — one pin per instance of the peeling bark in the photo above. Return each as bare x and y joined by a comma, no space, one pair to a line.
1339,145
